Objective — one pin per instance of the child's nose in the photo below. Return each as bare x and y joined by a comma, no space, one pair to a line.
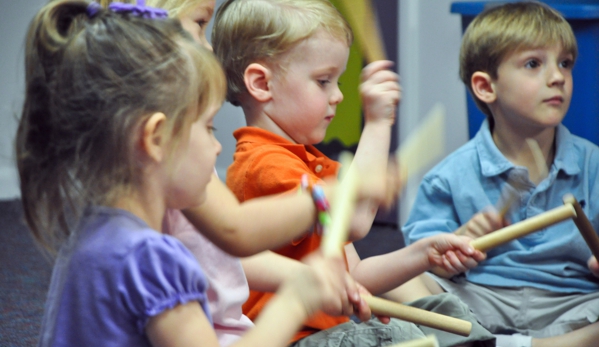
218,146
556,75
336,97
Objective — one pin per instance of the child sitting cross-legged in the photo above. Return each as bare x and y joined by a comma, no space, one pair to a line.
541,289
283,60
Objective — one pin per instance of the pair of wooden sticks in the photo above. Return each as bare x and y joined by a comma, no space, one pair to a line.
411,156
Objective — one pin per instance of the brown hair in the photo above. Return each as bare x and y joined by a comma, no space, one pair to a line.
505,29
90,84
246,31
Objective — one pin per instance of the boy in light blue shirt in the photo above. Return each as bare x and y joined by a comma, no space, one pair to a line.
517,60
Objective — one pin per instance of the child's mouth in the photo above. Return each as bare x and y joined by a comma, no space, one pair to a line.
556,100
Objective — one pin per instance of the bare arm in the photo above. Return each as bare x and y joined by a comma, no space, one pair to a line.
266,271
382,273
255,225
380,92
321,284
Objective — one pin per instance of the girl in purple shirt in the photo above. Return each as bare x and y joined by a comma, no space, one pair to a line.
116,128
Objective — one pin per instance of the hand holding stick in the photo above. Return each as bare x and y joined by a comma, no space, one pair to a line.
523,228
332,244
584,225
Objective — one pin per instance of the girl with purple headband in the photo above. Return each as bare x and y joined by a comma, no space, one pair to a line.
116,128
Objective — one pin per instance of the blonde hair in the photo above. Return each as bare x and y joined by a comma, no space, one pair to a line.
90,84
175,7
246,31
508,28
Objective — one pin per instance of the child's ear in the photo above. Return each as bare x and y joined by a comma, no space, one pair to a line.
482,87
153,138
257,78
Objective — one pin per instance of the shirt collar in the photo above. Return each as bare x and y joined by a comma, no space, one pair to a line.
494,163
309,154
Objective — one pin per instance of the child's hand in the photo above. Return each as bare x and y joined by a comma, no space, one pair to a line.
380,91
362,309
452,254
325,285
382,188
481,224
593,266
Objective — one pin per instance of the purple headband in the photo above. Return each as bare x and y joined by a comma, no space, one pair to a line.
139,10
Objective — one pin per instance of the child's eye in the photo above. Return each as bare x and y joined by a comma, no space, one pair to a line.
323,82
202,23
531,64
211,129
566,64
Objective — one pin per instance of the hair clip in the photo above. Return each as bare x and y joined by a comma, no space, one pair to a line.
138,10
93,8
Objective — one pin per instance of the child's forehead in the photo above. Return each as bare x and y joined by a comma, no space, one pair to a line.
317,51
561,48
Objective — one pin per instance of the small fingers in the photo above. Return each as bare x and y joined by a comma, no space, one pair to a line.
374,67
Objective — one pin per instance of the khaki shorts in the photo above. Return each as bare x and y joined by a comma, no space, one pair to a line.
525,310
374,333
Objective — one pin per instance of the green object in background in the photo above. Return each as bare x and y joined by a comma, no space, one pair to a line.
346,127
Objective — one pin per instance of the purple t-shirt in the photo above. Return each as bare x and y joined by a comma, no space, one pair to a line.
111,277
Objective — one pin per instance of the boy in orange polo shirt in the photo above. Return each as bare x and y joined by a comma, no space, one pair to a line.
283,60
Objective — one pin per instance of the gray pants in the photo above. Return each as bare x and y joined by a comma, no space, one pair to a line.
374,333
525,310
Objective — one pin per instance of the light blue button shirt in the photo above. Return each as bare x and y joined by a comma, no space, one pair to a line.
472,178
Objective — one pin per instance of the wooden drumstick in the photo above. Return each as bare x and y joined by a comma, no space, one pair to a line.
418,316
584,225
428,341
361,18
342,208
424,145
539,158
524,227
510,192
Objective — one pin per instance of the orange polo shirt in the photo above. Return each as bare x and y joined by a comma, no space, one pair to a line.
267,164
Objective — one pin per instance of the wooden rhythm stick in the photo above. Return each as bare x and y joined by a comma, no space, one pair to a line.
361,18
424,145
524,227
342,208
584,226
429,341
332,245
418,316
539,158
510,192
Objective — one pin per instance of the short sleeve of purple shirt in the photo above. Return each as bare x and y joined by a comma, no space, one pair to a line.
112,277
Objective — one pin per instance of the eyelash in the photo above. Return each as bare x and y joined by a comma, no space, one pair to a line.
528,63
567,64
202,23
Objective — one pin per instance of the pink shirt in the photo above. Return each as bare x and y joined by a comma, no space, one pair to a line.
227,285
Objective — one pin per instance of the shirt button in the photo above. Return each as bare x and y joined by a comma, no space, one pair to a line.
318,168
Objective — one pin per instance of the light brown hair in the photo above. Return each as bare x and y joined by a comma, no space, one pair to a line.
247,31
506,29
91,81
